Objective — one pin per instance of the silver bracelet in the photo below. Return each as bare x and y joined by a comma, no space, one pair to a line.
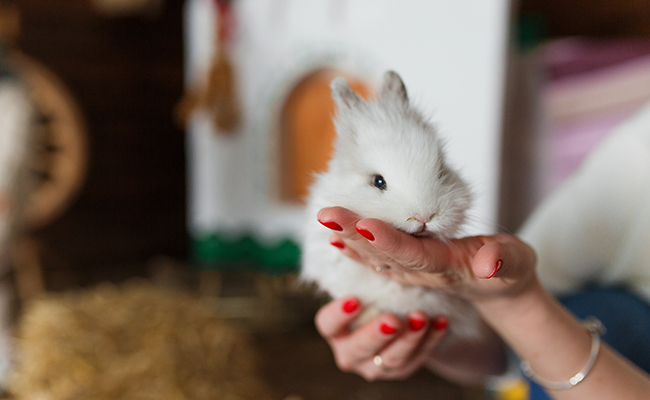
596,329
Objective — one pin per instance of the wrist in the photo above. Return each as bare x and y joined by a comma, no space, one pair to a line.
528,309
514,304
542,332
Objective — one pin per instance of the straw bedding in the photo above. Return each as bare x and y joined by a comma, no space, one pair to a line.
134,341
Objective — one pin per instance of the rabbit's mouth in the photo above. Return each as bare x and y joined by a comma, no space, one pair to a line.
423,232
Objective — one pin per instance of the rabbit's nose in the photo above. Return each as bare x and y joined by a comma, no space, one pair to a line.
424,218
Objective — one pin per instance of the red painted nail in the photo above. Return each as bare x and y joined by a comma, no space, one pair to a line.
332,225
350,306
496,269
415,324
387,329
365,234
440,323
337,243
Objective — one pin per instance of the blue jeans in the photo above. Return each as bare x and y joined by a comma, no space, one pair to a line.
626,317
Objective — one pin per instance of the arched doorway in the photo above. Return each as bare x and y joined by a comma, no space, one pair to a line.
307,132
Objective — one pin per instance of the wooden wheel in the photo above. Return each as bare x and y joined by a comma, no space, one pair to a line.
61,153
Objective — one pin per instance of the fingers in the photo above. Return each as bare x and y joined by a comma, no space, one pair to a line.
488,256
405,250
349,251
340,220
402,347
390,245
398,354
348,238
406,353
434,336
362,344
333,319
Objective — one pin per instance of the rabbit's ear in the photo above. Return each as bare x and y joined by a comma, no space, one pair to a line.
343,94
393,89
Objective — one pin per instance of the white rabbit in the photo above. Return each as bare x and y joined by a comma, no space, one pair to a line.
388,163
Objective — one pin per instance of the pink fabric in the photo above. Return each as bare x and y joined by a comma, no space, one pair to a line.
575,56
569,144
571,65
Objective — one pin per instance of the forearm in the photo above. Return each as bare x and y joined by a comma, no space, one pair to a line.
557,346
470,362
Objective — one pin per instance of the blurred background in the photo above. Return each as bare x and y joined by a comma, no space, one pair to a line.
172,141
121,75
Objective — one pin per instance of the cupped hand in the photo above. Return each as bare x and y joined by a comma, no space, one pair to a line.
475,267
402,346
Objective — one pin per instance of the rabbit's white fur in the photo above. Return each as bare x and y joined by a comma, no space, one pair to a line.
386,137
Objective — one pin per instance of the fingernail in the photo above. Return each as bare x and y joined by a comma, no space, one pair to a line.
496,269
350,306
332,225
415,324
440,323
387,329
365,234
337,243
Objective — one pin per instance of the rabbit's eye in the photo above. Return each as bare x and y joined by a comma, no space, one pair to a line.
379,182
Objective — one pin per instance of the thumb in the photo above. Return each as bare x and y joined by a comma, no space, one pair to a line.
505,257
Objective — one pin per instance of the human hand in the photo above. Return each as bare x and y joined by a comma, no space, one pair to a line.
403,346
476,268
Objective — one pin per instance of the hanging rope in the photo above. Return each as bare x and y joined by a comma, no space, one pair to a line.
219,96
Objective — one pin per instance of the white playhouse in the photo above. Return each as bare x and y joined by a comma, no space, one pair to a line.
246,182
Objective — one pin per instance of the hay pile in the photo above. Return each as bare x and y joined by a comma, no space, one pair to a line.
131,342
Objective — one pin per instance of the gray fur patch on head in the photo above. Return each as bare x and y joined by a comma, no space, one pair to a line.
343,94
393,89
